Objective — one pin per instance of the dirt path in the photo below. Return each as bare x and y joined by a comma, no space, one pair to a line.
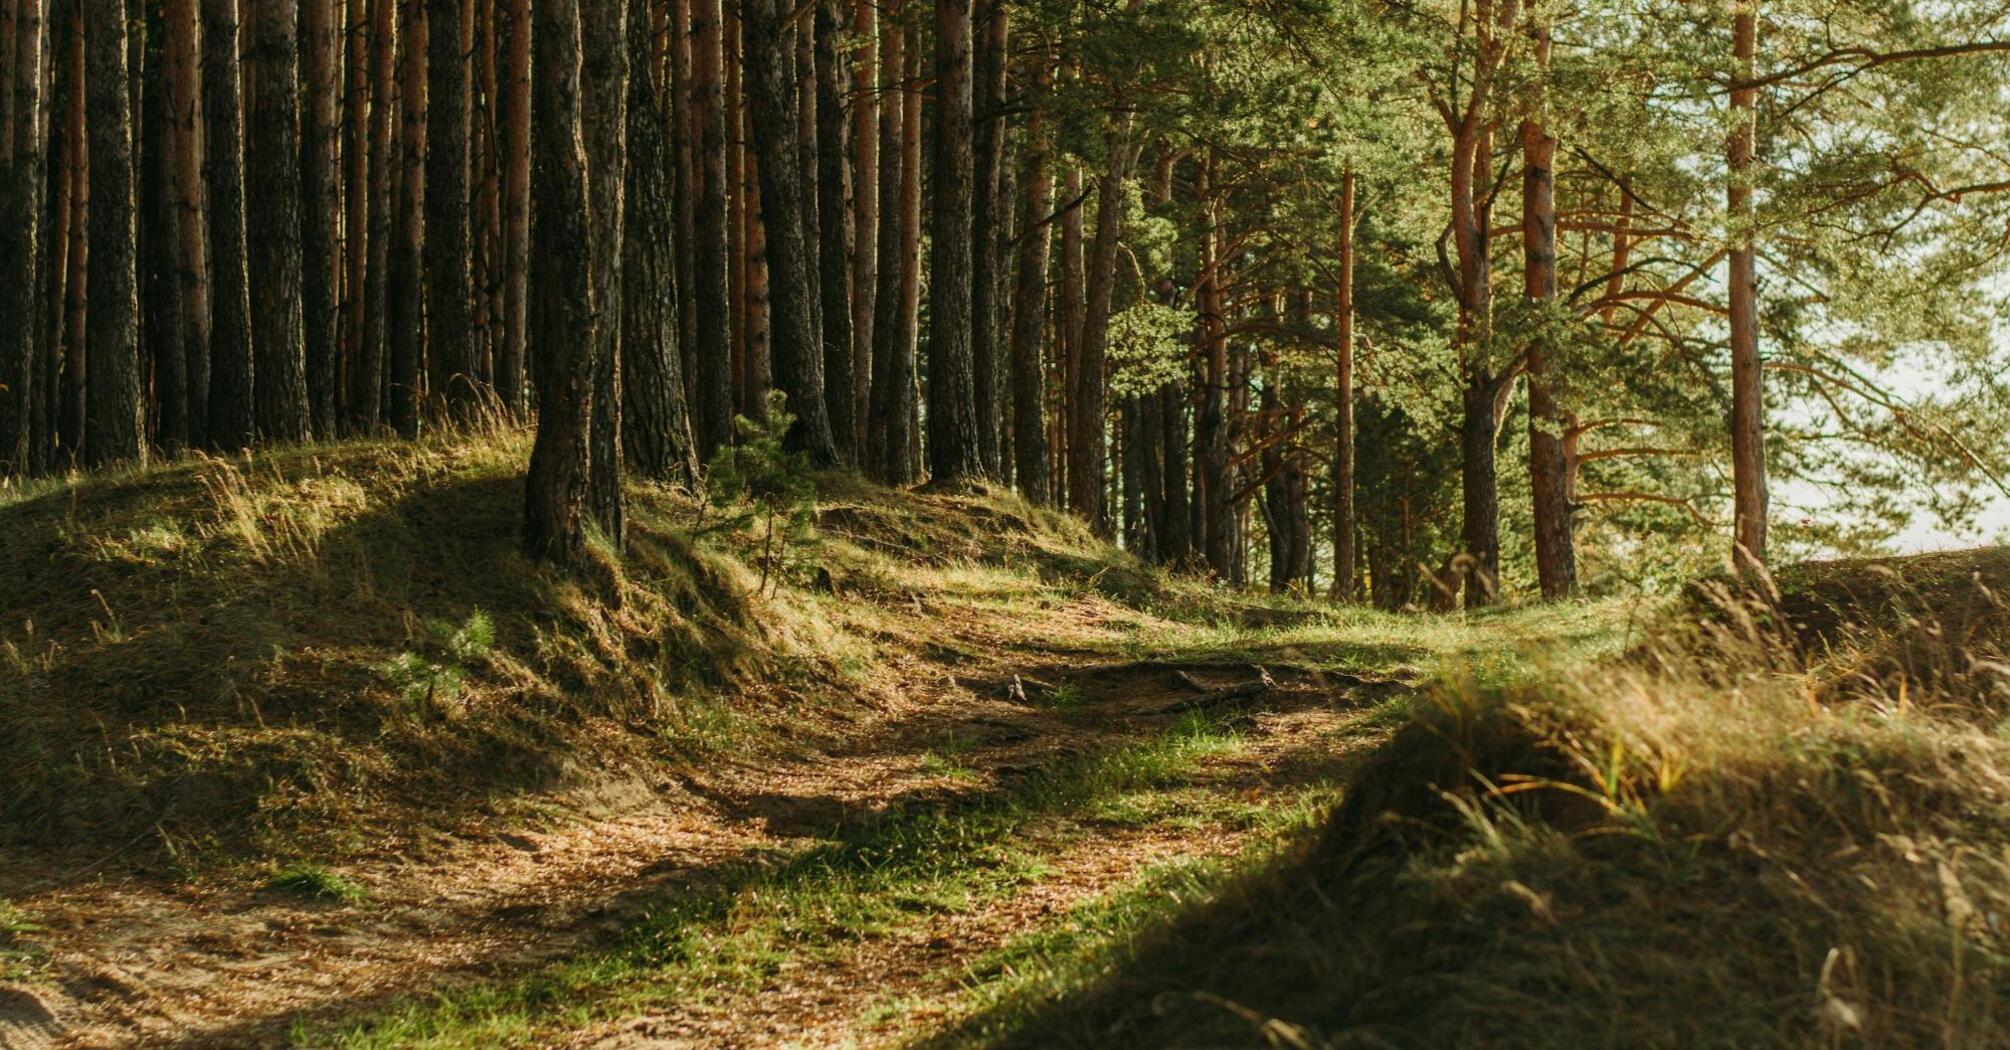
134,962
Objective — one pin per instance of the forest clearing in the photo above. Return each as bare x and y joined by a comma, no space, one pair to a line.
1004,523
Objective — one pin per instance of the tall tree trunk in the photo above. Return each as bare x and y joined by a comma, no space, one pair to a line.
366,371
485,201
1748,394
603,75
450,368
988,214
164,367
1212,484
114,423
182,106
232,422
1176,538
1029,319
1548,462
953,439
865,94
675,95
407,317
799,64
359,110
711,292
895,413
272,161
563,340
797,356
655,421
1472,150
70,412
321,209
1346,562
1068,332
837,240
512,353
1087,446
23,312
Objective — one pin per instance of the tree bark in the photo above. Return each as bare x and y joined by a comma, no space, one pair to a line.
865,95
321,210
358,113
988,214
1087,445
1068,333
797,356
674,95
563,339
711,292
655,419
114,422
1029,320
366,371
232,422
273,219
24,314
894,416
1548,462
603,76
69,415
1212,482
1346,564
164,368
953,428
408,320
512,354
449,366
1748,395
837,240
182,108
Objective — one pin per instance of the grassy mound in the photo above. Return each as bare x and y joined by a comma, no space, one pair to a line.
324,648
1781,826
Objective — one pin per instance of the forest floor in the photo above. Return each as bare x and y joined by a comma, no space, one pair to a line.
853,896
299,751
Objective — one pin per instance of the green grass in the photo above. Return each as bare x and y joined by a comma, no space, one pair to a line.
1727,838
731,934
20,956
316,882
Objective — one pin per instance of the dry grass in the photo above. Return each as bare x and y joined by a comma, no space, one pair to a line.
1784,824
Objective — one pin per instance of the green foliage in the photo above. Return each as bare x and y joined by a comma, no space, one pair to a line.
429,682
316,882
1148,347
761,483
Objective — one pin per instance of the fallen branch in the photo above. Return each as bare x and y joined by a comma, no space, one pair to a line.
1262,684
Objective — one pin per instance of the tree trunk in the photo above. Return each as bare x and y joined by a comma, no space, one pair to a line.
988,214
1087,445
711,291
232,423
407,318
1480,490
798,359
674,95
1346,559
182,108
23,312
164,368
837,240
1748,394
865,212
1068,332
1176,536
70,413
321,209
1548,462
358,112
1029,320
603,75
517,149
114,423
953,450
894,416
655,421
272,162
449,369
366,371
563,340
